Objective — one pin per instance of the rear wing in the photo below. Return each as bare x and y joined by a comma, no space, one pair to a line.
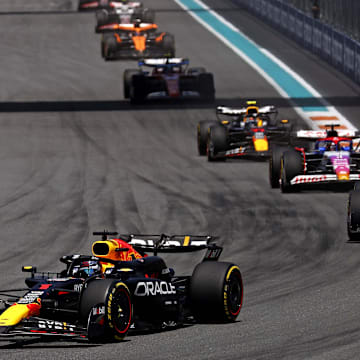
224,110
126,27
319,134
162,243
163,62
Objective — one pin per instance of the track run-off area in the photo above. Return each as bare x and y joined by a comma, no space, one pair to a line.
75,157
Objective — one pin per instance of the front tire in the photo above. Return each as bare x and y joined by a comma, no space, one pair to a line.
106,306
275,166
216,292
292,164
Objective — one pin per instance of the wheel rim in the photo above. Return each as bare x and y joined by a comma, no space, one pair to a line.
235,293
121,310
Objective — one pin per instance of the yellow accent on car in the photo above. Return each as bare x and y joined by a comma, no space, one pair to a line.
14,314
343,176
225,122
186,240
261,145
125,269
251,102
284,121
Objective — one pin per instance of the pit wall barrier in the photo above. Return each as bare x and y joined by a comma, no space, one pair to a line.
333,46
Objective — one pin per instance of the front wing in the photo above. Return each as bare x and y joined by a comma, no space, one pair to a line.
322,179
39,327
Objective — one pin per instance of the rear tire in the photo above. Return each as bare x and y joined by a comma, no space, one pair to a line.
109,47
106,306
138,89
127,79
202,135
206,87
148,16
196,70
102,17
217,142
216,292
168,45
292,164
353,219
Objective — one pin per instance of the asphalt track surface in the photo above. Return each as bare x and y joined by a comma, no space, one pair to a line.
75,158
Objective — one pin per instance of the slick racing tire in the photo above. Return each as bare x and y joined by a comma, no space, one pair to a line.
353,216
216,142
168,45
106,307
196,71
138,89
109,47
275,165
216,292
202,134
206,87
291,166
148,16
128,74
102,17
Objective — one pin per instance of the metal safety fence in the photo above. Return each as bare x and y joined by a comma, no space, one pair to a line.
334,46
344,15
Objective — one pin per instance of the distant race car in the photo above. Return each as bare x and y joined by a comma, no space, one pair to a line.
247,132
101,296
90,5
135,41
125,14
169,77
331,158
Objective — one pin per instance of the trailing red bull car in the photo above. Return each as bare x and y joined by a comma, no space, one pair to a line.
331,158
170,77
239,133
91,5
135,41
101,296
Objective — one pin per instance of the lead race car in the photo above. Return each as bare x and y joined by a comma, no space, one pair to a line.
170,77
125,14
135,41
90,5
101,296
246,132
331,157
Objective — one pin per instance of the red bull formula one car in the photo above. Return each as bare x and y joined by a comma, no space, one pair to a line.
170,77
101,296
247,132
330,158
135,41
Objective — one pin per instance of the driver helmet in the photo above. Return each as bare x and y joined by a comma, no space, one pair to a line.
86,269
331,146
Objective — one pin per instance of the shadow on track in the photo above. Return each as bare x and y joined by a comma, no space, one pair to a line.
162,104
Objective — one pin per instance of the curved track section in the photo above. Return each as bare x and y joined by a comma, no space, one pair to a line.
76,158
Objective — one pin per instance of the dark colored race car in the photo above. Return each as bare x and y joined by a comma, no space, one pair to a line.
353,214
101,296
330,158
91,5
170,77
247,132
135,41
123,15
